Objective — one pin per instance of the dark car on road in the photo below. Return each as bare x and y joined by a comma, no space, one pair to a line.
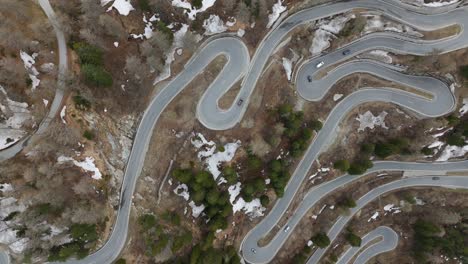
239,103
309,78
346,52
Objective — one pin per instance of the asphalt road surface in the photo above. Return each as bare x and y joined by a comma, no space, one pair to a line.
388,240
239,65
454,182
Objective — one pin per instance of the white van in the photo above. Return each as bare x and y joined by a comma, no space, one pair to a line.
320,64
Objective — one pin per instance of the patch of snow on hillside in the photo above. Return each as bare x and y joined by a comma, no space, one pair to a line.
176,44
29,61
87,165
6,187
63,113
253,208
453,152
240,32
148,28
191,11
327,29
13,115
211,159
373,217
337,97
287,65
122,6
9,205
436,144
368,120
439,3
182,191
382,55
196,210
375,23
213,25
464,108
276,11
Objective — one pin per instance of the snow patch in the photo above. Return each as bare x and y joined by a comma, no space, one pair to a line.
368,120
191,11
177,43
453,152
211,159
116,44
287,65
13,115
196,210
464,108
182,191
373,217
213,25
375,23
240,32
327,29
337,97
253,209
29,61
277,9
382,55
63,113
122,6
87,165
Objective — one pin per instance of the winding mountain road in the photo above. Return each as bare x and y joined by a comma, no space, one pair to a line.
453,182
388,242
239,66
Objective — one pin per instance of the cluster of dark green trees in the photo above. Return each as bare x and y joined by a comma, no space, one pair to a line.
459,133
156,239
456,137
204,190
427,239
83,236
297,131
382,149
464,71
279,176
91,63
360,165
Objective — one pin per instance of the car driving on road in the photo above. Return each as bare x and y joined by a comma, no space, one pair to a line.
346,52
286,228
320,64
239,103
309,78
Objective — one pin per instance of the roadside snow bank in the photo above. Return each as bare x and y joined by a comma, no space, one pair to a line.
288,64
368,120
277,9
87,165
177,43
381,55
213,25
375,23
453,152
327,29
